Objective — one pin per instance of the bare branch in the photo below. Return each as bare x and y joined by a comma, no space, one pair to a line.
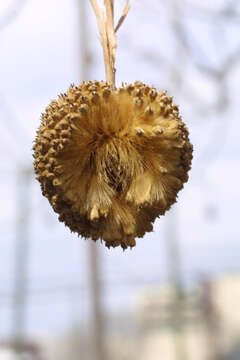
123,17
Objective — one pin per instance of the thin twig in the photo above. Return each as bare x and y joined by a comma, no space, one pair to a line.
123,17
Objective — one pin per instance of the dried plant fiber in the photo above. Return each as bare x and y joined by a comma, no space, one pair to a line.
110,161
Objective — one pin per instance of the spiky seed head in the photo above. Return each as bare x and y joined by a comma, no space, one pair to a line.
111,161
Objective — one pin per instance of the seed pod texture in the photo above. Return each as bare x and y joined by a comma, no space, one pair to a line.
111,160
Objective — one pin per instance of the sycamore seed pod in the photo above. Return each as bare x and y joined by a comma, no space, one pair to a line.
111,160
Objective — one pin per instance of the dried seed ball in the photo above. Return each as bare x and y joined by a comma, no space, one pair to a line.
111,161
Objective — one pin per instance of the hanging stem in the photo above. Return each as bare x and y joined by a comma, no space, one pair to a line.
108,35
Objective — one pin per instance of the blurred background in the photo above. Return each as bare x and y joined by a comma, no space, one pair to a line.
175,295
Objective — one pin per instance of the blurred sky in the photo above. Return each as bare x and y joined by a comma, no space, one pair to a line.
39,59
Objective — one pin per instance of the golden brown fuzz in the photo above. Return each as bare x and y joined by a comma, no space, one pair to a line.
111,161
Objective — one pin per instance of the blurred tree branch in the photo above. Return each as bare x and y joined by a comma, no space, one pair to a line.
11,13
228,12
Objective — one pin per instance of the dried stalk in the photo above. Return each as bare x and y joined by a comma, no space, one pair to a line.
108,35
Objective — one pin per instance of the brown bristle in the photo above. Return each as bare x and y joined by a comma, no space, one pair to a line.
111,160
